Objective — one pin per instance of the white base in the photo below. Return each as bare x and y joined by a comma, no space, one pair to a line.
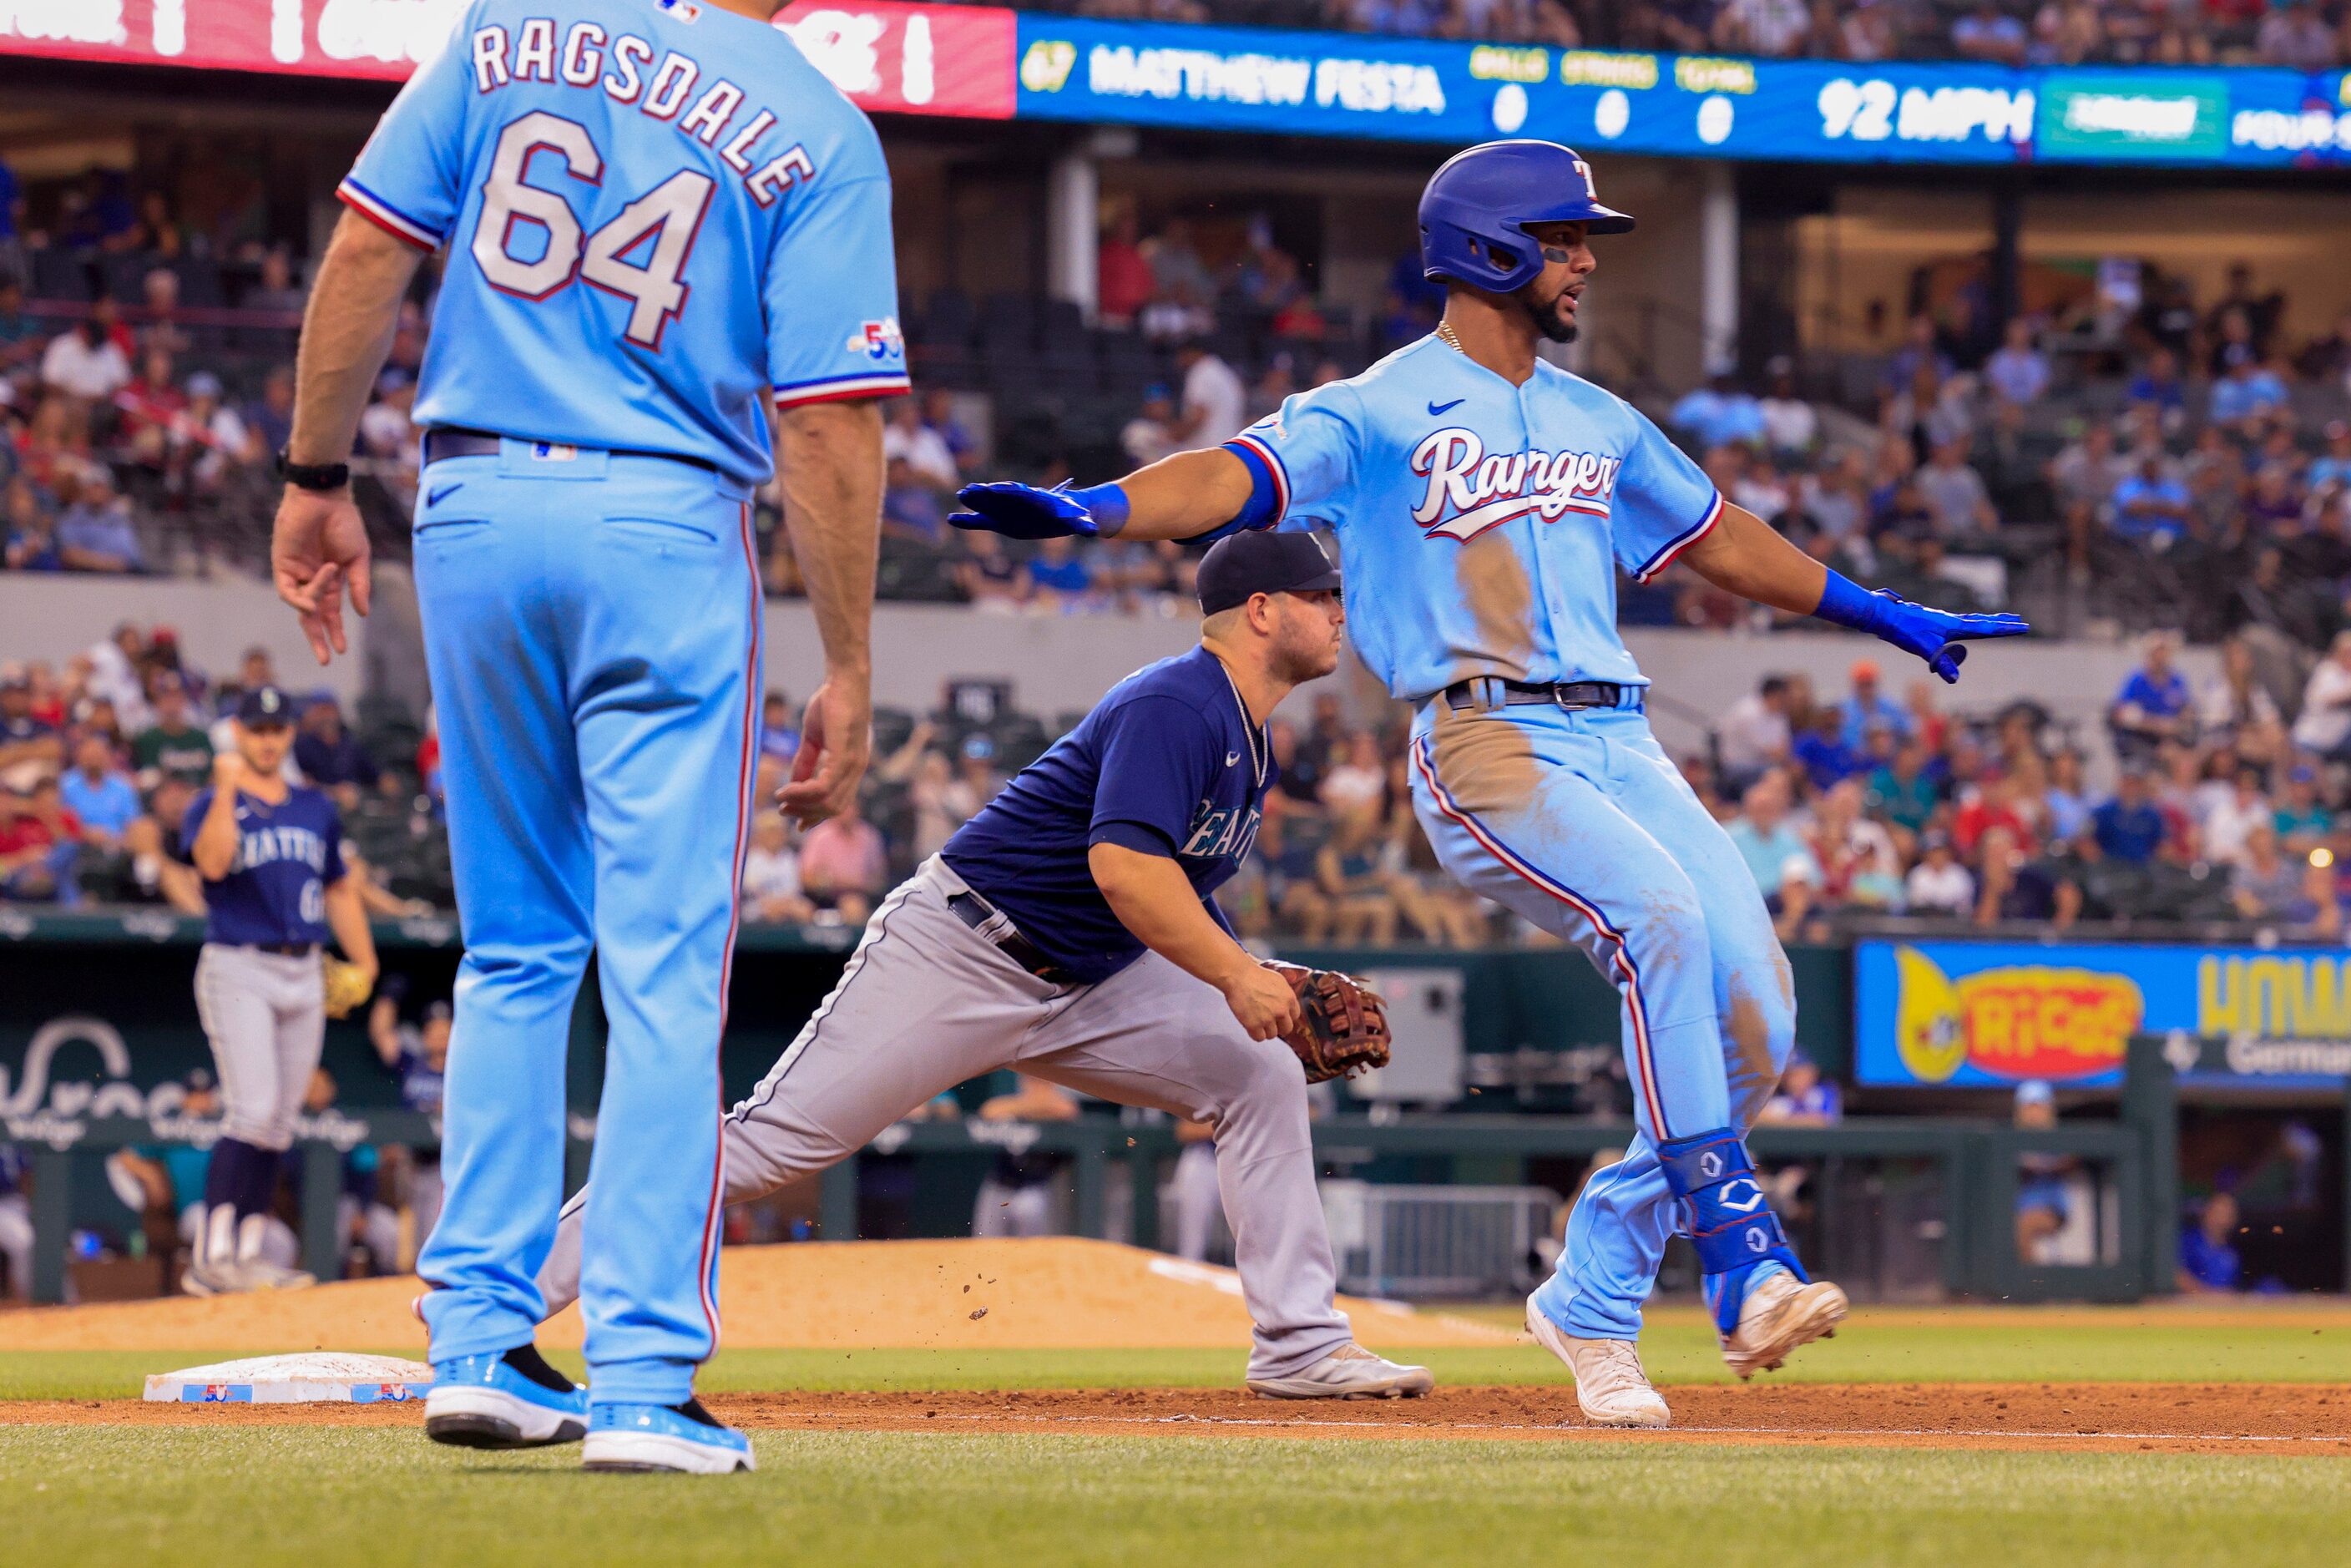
659,1450
312,1377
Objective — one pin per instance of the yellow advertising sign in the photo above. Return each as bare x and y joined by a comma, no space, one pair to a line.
2027,1021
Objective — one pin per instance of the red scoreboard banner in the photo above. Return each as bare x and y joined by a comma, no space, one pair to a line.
898,58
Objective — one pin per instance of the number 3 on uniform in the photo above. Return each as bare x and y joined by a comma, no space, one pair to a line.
669,214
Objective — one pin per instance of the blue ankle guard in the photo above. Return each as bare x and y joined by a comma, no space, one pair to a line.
1727,1216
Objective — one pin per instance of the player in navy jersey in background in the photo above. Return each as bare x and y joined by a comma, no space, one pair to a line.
271,857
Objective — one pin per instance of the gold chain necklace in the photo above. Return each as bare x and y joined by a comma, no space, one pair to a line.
1446,335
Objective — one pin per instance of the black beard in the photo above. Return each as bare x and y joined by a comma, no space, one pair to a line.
1547,321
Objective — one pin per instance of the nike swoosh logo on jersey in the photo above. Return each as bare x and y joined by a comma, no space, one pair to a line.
1231,757
444,493
1447,407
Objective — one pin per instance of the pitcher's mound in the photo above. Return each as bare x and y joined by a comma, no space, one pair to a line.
1054,1292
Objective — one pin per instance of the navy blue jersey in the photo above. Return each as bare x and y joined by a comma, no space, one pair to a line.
1168,764
288,856
420,1080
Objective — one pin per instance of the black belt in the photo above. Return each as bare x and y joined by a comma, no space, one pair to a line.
981,915
1492,691
447,441
283,949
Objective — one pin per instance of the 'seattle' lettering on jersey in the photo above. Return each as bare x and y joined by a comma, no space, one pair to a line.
1167,764
654,214
1481,524
287,855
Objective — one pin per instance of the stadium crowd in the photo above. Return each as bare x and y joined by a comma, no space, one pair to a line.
2303,35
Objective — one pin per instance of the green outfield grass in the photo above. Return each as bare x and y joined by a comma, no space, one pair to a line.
319,1498
1879,1345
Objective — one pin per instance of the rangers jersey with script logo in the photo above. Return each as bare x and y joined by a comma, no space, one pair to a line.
1483,524
654,214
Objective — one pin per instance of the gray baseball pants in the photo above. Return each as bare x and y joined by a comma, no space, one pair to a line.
266,1015
927,1002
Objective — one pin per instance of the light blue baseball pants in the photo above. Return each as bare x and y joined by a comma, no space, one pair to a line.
591,623
1580,823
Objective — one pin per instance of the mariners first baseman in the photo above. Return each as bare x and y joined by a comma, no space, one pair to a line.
660,219
271,856
1070,929
1484,501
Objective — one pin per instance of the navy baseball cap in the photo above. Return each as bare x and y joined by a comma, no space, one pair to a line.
1241,564
265,704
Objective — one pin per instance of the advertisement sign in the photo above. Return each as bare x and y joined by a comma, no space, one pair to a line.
1988,1014
2171,116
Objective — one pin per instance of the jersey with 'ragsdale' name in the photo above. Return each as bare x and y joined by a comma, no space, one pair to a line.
655,212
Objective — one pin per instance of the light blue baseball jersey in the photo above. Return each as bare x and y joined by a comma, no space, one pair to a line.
655,212
1481,524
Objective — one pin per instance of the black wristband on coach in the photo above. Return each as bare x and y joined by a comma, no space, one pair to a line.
313,476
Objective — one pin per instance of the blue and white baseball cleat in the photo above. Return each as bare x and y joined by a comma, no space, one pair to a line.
509,1401
683,1438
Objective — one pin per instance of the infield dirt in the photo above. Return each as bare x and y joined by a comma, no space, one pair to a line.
2314,1420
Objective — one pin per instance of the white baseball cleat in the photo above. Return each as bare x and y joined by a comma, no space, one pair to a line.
1350,1372
227,1278
1610,1386
1779,1315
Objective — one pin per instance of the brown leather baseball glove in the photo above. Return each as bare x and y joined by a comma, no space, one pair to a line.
346,985
1342,1024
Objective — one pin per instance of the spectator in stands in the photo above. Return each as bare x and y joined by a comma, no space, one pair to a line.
2154,704
1859,867
1987,33
1776,854
1718,413
39,838
279,289
2294,36
1804,1098
30,538
2323,726
1124,282
2234,816
1791,426
2066,800
2150,506
2303,819
386,431
330,755
271,418
89,362
22,340
1215,400
780,737
2235,705
1868,707
99,793
1353,874
2130,827
2266,885
844,866
910,439
1754,734
2018,372
2248,393
1150,435
1900,791
771,875
1056,578
913,504
29,744
1772,28
1938,884
211,438
95,533
1820,750
1356,781
988,576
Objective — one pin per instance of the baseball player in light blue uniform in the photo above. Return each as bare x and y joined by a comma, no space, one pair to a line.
661,222
1484,502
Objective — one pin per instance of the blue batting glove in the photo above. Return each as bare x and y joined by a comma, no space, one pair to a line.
1935,635
1026,512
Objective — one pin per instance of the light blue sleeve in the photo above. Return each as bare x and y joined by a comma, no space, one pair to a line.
832,295
1309,446
409,180
1663,503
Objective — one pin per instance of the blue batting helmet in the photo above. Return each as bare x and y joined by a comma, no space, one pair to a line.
1475,209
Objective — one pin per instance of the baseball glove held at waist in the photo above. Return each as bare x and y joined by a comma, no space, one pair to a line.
346,985
1342,1024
